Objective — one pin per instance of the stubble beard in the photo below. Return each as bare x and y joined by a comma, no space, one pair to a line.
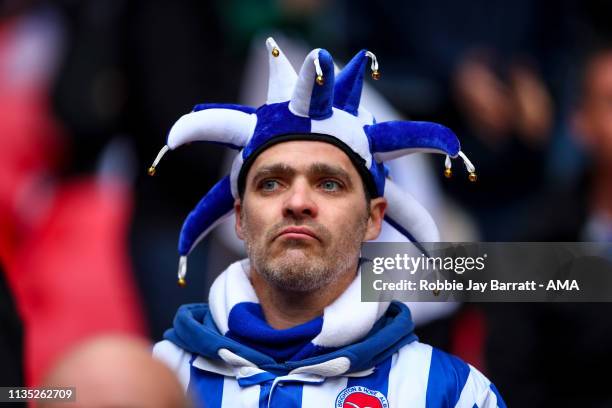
297,268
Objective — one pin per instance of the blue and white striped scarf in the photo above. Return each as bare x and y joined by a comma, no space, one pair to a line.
363,332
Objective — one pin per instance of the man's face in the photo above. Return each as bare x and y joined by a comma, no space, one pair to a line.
304,215
594,118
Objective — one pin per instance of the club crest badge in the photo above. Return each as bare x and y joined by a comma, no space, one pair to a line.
361,397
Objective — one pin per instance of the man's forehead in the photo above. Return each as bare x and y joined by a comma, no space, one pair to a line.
303,156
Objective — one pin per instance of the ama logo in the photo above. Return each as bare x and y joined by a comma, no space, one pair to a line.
361,397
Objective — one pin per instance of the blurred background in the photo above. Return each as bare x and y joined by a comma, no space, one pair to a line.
90,88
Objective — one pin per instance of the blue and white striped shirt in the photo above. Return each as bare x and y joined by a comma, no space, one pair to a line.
417,375
355,355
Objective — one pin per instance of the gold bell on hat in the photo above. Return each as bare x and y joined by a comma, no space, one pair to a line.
472,177
275,52
162,152
320,80
182,271
376,75
448,173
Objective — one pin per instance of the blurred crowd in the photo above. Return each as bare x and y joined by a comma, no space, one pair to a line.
90,88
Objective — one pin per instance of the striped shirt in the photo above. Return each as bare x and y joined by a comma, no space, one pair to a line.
357,354
417,375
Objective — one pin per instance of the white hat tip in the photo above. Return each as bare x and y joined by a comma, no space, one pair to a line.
270,43
182,268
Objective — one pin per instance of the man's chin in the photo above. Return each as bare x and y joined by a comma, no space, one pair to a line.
296,271
295,256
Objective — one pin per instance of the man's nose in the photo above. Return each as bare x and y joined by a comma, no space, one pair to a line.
300,201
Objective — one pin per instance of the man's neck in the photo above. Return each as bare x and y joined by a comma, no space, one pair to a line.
284,309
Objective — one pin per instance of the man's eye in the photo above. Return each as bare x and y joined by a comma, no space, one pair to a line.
331,185
269,185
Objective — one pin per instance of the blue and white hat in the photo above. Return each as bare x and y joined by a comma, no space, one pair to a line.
314,105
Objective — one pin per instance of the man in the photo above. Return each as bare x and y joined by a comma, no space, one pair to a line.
286,326
580,332
592,122
114,370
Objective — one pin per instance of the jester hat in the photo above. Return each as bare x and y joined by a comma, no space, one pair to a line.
314,105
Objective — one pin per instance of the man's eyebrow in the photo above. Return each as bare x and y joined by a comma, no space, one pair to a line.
274,169
316,169
324,169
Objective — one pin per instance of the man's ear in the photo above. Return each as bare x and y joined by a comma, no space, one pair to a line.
377,214
238,216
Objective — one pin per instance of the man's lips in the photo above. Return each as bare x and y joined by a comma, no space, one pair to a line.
298,233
